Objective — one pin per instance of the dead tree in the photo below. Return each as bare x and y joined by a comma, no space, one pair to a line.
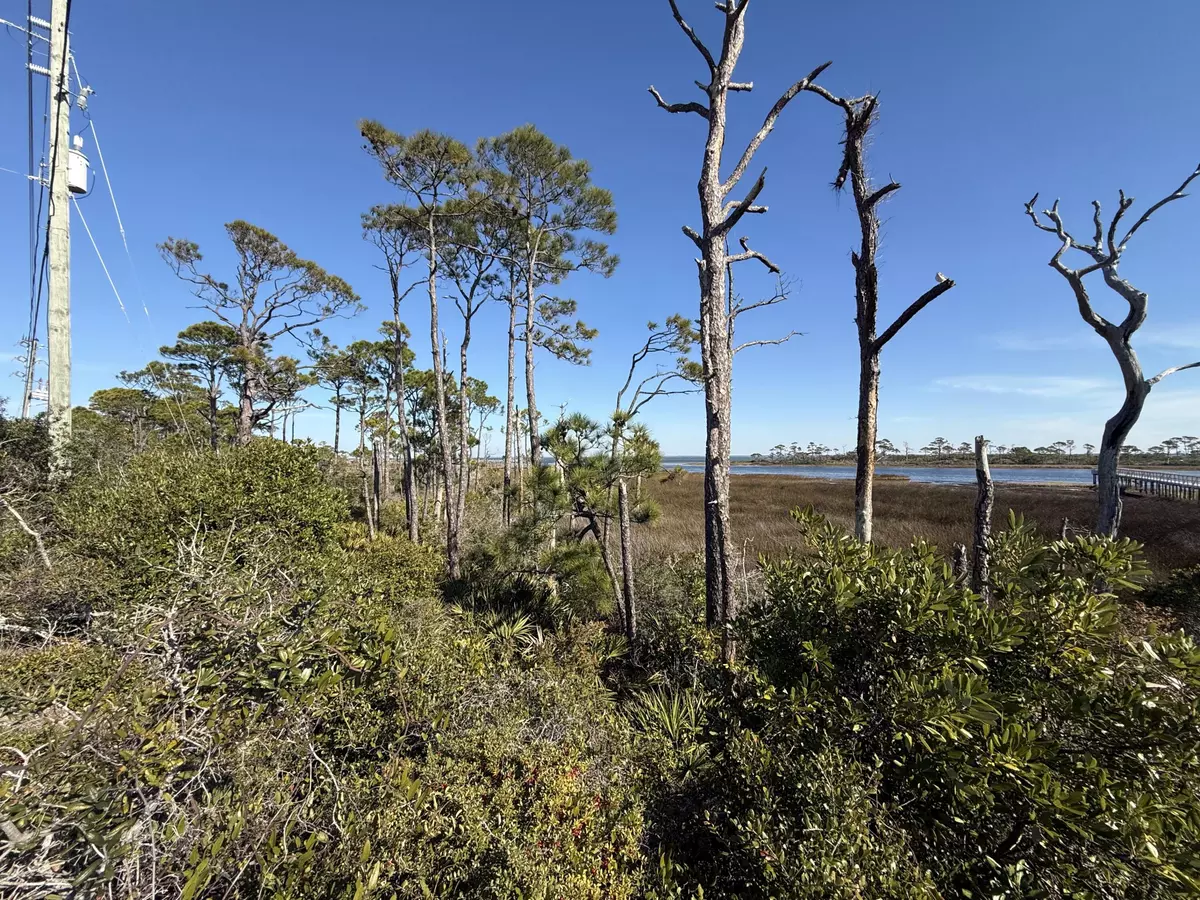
985,498
860,114
719,216
1106,252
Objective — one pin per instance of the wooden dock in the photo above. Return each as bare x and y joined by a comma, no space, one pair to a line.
1157,484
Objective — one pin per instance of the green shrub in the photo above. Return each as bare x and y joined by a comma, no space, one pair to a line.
1180,593
1022,747
268,500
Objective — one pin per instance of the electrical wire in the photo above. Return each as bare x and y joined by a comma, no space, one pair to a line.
84,89
100,256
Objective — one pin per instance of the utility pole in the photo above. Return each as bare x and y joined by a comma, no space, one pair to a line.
58,311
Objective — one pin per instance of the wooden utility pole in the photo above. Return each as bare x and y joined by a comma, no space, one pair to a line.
58,312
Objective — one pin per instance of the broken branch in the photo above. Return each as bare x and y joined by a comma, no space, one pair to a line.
1171,371
917,305
769,125
697,108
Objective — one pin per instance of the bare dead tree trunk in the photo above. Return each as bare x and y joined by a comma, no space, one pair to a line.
860,114
719,216
627,594
981,571
1106,252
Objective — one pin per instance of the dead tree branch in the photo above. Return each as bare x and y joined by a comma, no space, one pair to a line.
24,526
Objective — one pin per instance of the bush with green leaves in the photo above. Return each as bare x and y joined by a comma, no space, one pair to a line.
888,733
265,500
278,708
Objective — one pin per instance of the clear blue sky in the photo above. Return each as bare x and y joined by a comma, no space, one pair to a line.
219,110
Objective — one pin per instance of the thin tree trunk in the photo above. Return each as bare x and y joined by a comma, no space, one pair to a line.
337,421
535,439
443,417
464,425
385,481
864,476
213,399
510,409
377,478
981,571
627,593
245,425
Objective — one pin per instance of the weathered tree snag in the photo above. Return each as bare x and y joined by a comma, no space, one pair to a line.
860,114
985,498
1106,252
719,216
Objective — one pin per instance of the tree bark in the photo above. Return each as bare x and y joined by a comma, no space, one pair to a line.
245,425
464,425
535,438
213,400
385,481
443,417
337,421
1116,430
981,571
510,409
627,590
377,482
864,475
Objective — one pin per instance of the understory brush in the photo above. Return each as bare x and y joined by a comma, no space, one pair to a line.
258,703
221,687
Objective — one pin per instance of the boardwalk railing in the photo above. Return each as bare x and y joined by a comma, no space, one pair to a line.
1158,484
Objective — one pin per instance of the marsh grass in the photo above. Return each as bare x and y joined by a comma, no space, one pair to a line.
941,514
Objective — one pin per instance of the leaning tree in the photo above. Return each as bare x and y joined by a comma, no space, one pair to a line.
719,215
1105,252
274,293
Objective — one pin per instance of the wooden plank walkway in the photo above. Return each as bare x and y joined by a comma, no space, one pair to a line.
1157,484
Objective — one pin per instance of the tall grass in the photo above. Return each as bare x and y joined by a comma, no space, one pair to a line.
942,514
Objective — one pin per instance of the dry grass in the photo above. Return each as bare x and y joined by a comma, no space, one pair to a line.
942,514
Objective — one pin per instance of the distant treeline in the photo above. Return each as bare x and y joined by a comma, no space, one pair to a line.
1176,451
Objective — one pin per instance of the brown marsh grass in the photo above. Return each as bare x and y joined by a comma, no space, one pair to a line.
939,513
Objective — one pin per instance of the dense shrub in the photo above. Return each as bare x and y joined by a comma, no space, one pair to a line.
264,501
278,708
1180,593
887,722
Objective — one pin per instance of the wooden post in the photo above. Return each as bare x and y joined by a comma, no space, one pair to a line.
985,498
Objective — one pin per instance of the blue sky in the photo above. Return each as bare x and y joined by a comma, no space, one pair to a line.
219,110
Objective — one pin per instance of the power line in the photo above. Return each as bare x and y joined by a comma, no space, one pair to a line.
100,256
